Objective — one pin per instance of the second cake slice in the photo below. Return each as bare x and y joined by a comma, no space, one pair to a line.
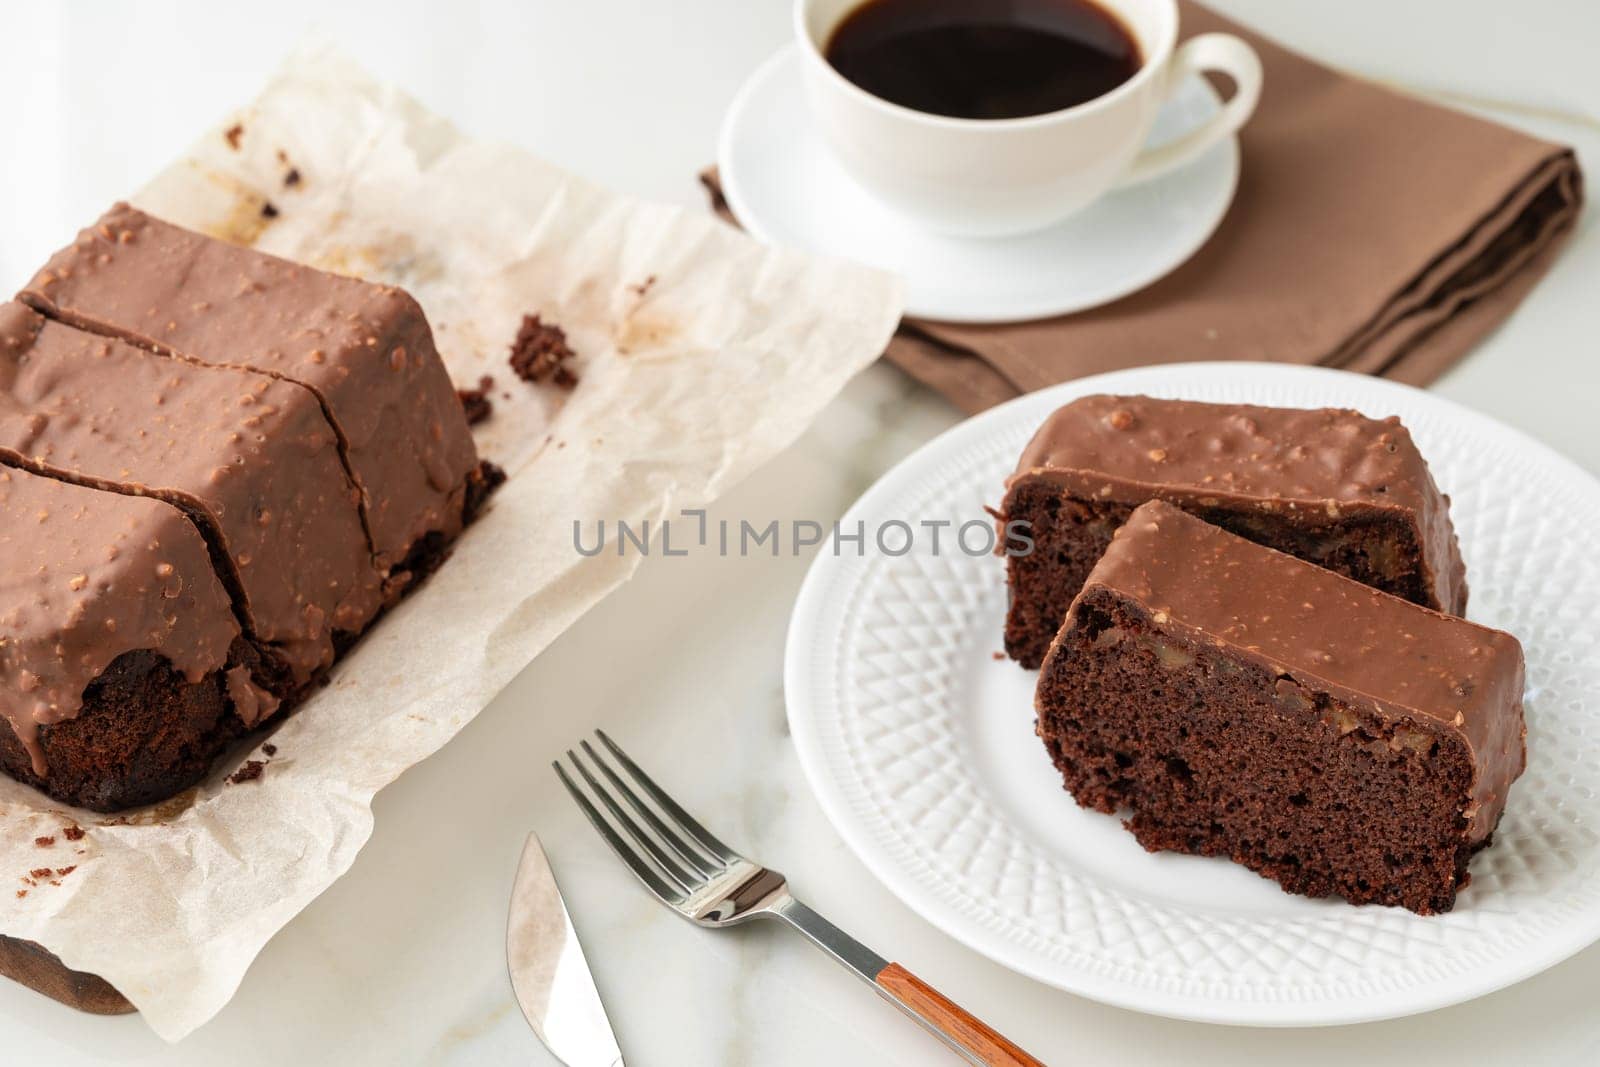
1334,487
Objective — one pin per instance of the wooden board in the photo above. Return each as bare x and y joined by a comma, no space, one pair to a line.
38,968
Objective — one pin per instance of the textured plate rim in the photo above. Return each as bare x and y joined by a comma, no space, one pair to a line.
803,645
738,204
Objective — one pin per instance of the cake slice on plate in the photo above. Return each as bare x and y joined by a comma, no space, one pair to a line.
1239,702
1333,487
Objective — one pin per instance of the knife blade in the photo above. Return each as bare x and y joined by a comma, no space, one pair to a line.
549,975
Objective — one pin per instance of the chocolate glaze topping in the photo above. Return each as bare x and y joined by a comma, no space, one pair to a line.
251,702
86,576
365,350
1129,449
1413,668
249,457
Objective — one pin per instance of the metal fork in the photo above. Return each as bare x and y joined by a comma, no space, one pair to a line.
708,883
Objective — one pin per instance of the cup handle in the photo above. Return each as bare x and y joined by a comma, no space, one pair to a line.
1221,52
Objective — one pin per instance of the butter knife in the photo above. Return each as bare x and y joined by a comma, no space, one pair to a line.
549,975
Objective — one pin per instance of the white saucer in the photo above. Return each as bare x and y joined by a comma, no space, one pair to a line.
919,744
785,187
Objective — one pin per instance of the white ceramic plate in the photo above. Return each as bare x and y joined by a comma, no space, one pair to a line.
920,747
785,187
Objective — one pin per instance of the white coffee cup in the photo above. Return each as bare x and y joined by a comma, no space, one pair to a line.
992,177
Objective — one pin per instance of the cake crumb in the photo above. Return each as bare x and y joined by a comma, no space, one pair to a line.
292,178
44,842
233,135
21,893
269,210
713,187
540,352
491,476
40,872
62,872
476,402
73,833
998,656
270,749
248,773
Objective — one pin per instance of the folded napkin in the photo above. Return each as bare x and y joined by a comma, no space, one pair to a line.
1371,231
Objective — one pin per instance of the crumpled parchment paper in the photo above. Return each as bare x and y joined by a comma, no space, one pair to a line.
702,353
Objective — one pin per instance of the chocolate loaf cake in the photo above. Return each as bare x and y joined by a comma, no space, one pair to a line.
1239,702
242,462
365,350
1343,491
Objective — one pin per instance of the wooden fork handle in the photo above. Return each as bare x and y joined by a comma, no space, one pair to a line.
941,1015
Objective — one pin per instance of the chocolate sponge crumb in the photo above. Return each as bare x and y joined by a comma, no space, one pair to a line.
248,773
270,749
540,353
713,187
480,486
476,402
44,842
73,833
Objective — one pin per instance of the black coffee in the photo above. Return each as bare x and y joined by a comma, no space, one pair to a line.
984,59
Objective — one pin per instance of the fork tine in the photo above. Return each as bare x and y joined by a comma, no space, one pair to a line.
706,866
684,820
640,866
641,837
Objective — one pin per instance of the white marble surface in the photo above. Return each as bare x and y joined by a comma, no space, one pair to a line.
401,961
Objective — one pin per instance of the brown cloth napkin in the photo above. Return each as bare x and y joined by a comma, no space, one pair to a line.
1371,231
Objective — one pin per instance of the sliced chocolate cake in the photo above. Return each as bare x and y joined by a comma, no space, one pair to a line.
217,469
1334,487
365,350
121,665
1239,702
248,457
